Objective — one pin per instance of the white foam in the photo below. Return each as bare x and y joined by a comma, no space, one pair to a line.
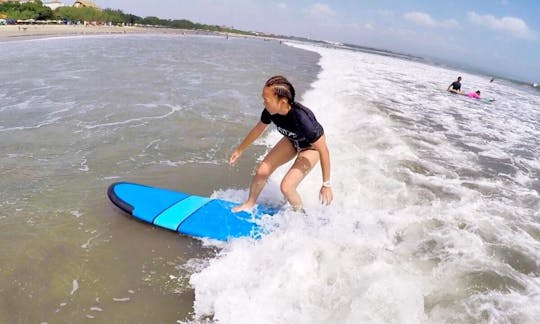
75,287
87,244
76,213
35,126
111,177
84,166
173,110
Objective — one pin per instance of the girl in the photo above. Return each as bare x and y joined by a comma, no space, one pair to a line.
303,138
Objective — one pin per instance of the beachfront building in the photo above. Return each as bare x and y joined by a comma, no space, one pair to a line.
54,4
84,4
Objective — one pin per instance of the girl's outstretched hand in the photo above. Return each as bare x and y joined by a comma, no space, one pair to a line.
234,156
325,195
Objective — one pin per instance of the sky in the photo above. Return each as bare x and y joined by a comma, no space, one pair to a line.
499,37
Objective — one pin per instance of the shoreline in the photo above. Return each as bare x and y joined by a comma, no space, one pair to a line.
29,32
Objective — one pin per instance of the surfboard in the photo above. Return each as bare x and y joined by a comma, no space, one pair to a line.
191,215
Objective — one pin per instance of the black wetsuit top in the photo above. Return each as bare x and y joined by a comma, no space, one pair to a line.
456,85
299,125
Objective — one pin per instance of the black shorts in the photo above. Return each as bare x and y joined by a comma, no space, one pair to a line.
299,148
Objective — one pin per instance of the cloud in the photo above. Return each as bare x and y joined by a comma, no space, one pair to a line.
282,5
321,9
423,19
512,25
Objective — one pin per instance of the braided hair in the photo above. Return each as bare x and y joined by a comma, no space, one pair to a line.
282,88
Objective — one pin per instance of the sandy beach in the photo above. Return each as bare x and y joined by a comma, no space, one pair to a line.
17,32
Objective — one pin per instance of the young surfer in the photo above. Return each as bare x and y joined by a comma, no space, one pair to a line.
475,95
455,86
303,139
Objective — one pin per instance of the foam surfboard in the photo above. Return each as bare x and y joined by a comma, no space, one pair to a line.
191,215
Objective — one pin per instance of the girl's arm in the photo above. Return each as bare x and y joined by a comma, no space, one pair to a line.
253,134
325,194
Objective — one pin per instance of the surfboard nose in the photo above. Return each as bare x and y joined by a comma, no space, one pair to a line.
143,202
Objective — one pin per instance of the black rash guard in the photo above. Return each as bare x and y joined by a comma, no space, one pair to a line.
299,125
456,85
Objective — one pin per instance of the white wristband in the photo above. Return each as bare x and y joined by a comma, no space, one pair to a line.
327,184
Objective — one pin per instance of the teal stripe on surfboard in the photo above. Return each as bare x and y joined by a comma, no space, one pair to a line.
173,216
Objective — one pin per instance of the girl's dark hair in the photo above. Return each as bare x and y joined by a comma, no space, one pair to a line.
282,87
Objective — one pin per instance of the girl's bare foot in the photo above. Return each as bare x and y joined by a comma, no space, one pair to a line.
247,206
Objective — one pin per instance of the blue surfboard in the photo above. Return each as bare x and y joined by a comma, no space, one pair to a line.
187,214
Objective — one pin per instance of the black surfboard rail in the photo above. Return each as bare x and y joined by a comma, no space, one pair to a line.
117,201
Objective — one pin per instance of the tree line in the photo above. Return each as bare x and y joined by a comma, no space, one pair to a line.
36,10
29,10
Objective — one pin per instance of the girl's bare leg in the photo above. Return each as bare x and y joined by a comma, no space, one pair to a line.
280,154
305,161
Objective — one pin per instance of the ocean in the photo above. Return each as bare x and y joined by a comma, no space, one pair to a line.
436,212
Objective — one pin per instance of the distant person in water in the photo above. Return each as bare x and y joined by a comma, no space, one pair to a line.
303,140
455,87
475,95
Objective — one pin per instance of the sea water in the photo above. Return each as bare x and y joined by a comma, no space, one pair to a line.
436,205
